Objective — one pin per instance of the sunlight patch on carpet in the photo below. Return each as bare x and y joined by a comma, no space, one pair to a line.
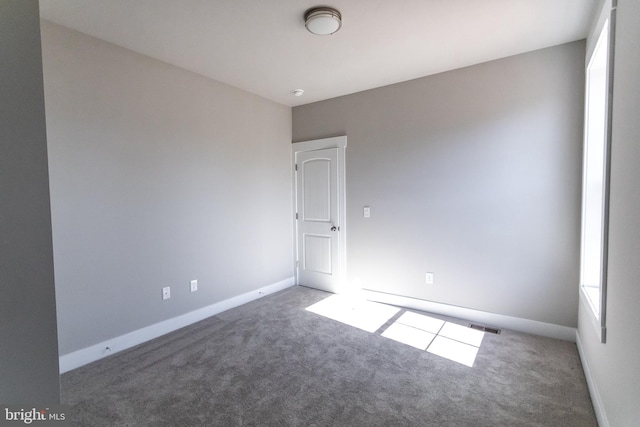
445,339
366,315
452,341
420,321
454,350
462,334
409,335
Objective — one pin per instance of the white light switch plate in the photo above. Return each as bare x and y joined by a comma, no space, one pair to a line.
366,212
194,285
166,292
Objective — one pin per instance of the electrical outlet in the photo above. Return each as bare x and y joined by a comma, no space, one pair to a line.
194,285
429,278
366,212
166,293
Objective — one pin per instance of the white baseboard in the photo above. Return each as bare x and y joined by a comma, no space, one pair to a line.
95,352
598,407
550,330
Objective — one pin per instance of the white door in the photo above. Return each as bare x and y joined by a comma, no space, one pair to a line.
318,219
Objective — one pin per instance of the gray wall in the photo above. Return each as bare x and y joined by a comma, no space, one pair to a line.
615,365
473,174
158,176
28,340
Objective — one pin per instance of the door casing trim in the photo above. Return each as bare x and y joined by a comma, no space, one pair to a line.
339,142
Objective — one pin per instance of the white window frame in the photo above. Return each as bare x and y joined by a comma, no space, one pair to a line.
597,309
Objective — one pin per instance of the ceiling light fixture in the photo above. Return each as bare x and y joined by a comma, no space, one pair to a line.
322,20
297,92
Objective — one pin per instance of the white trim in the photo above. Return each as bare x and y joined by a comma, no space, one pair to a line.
596,26
95,352
605,28
550,330
596,400
339,142
599,328
320,144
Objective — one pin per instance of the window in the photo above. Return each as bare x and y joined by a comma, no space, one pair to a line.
593,265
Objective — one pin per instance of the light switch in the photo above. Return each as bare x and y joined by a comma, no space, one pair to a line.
366,212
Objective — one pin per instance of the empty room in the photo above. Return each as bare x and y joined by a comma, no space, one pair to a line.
295,213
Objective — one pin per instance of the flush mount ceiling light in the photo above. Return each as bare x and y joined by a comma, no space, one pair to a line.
297,92
322,20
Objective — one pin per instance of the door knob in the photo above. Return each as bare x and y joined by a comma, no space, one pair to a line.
333,228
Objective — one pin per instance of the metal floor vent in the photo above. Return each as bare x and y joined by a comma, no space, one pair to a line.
484,328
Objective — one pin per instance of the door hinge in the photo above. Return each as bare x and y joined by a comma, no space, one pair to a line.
296,167
296,215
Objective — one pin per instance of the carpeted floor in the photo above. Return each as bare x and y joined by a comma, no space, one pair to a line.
273,363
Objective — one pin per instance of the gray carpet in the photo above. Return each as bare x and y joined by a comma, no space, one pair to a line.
272,363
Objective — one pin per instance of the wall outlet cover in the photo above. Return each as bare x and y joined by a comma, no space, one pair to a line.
194,285
429,278
166,293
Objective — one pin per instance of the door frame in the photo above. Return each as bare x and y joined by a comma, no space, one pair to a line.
339,142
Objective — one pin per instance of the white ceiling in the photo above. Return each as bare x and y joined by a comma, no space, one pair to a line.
262,46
